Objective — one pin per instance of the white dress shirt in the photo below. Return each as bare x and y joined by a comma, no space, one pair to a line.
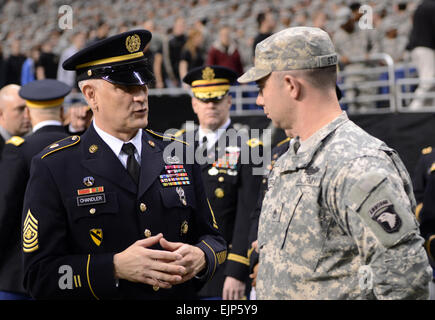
116,144
212,136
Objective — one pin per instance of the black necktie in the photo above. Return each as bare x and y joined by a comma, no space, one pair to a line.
133,167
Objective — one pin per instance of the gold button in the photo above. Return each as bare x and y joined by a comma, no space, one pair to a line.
156,288
221,179
93,148
151,143
219,193
147,233
143,207
92,211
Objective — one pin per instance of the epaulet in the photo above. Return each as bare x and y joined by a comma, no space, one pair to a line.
254,142
179,133
283,141
165,137
16,141
59,145
426,150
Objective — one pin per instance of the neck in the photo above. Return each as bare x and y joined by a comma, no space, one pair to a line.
312,119
124,135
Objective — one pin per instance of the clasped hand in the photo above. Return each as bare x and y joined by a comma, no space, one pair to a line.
177,263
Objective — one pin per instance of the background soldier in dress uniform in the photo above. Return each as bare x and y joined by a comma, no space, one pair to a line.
100,219
229,183
337,220
14,117
44,99
424,190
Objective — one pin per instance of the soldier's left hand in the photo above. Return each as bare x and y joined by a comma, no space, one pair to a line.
193,257
234,289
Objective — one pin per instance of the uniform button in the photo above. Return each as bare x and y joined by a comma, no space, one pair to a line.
143,207
92,211
221,179
156,288
147,233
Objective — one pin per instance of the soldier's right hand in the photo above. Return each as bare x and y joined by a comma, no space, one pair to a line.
137,263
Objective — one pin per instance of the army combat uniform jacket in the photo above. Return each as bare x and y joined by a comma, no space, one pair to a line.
337,222
81,207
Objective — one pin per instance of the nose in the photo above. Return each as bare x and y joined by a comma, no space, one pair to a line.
140,93
260,101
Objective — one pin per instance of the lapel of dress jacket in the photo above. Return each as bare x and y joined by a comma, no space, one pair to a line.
152,163
103,162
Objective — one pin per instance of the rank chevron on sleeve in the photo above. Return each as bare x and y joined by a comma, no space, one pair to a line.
30,233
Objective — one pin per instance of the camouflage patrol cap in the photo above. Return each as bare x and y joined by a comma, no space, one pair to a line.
291,49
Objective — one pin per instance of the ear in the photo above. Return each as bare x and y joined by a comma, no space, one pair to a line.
293,86
89,92
195,105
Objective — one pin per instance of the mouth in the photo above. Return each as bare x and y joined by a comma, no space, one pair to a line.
142,111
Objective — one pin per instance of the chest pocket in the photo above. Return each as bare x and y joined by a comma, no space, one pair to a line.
304,223
98,205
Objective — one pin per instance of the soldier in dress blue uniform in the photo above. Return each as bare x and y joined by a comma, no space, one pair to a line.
424,190
105,215
229,183
44,100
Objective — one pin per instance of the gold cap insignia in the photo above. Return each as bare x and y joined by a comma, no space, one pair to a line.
96,236
132,43
30,233
208,74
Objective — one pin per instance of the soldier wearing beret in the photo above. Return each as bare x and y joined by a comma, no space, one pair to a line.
44,100
229,183
105,215
337,220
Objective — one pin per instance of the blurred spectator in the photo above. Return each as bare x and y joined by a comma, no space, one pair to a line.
13,64
14,116
176,44
77,118
422,46
69,77
192,55
224,52
2,68
28,71
46,67
389,41
153,52
102,33
266,25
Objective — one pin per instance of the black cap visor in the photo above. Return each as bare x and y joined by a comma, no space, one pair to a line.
128,74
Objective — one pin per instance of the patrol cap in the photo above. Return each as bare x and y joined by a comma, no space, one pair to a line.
294,48
42,94
118,59
210,83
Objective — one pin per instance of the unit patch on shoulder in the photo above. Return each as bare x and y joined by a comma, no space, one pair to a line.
165,137
59,145
16,141
30,233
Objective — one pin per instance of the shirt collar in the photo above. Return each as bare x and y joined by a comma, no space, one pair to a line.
5,134
116,144
212,136
46,123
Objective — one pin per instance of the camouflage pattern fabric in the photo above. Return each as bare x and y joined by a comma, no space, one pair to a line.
291,49
337,222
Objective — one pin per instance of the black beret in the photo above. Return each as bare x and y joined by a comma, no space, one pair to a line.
210,82
118,59
44,93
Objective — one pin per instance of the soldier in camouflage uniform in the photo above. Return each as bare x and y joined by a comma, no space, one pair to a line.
337,220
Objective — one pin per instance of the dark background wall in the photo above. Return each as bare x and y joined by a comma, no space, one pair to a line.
407,133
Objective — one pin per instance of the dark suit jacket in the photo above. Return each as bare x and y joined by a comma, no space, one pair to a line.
70,239
14,173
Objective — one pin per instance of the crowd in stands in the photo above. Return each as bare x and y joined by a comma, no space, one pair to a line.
189,33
